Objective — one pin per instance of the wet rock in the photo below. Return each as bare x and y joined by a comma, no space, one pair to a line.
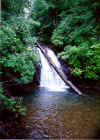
36,77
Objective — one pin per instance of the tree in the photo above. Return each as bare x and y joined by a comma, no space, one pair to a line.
16,41
73,28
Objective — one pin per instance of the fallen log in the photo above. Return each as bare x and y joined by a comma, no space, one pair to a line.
60,73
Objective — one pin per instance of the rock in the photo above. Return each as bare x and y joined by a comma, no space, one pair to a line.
36,77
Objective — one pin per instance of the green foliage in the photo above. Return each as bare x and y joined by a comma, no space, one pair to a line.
12,7
66,22
16,42
16,37
20,63
72,26
19,109
42,13
15,54
83,60
12,105
46,12
1,91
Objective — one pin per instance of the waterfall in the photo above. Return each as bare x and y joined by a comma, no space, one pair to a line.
49,77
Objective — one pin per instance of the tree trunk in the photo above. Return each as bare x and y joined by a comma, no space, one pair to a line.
60,73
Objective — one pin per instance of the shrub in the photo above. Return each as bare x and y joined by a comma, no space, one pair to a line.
83,60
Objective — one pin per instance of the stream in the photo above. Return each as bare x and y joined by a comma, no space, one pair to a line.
60,115
56,111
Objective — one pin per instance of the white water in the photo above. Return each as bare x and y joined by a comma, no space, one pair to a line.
49,77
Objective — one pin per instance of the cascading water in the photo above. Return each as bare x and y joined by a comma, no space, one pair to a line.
49,77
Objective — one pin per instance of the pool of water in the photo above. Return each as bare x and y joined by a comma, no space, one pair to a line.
52,114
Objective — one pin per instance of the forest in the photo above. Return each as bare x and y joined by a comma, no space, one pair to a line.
71,28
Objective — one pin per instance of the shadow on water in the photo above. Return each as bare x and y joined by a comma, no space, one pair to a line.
64,114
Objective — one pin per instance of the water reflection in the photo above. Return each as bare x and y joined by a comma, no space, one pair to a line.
61,114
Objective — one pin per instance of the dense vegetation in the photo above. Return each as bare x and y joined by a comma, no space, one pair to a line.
16,41
71,26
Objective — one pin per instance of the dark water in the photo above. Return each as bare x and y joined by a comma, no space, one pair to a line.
61,115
